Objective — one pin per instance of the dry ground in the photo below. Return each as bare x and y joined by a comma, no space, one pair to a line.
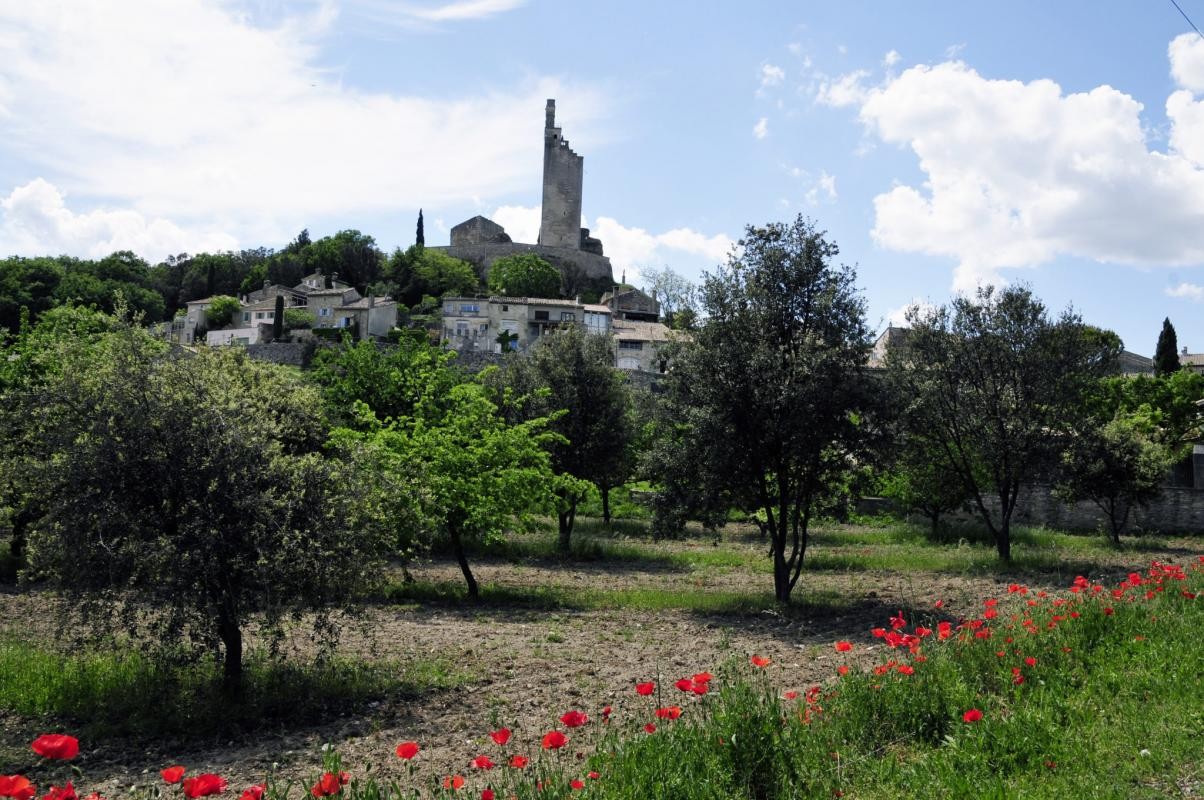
528,666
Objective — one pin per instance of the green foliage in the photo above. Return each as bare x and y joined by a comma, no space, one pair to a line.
1166,353
418,272
1169,401
390,382
921,480
191,486
677,296
219,312
993,386
298,318
524,275
761,405
1118,465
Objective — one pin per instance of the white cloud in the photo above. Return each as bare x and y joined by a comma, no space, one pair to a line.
189,111
467,9
954,50
631,248
1020,173
761,129
846,90
1191,291
1186,53
825,184
891,58
898,316
771,75
35,220
521,222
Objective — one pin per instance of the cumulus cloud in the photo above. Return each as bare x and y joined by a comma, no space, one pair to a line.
468,9
771,75
1020,173
824,185
35,220
1191,291
761,129
891,58
846,90
190,111
1186,53
521,222
631,248
897,317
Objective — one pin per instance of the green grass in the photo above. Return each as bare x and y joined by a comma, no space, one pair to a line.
104,694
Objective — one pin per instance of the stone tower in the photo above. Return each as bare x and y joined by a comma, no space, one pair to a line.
560,223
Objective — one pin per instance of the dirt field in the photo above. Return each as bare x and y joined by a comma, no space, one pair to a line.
529,666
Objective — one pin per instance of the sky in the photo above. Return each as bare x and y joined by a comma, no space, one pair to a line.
941,145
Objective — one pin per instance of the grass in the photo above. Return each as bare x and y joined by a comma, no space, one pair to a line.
107,694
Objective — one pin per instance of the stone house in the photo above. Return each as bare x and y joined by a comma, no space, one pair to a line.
371,316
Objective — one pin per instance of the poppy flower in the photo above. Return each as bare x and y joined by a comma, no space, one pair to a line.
253,792
518,762
760,661
606,712
973,715
574,719
173,774
700,688
878,633
791,695
921,631
204,784
842,670
500,736
843,646
906,669
897,621
482,762
94,796
554,740
669,712
1109,611
487,794
593,776
453,782
16,786
944,630
650,728
1030,661
702,677
65,793
577,783
685,685
939,604
645,689
408,750
56,745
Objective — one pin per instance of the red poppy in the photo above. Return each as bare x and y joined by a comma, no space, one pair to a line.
760,661
1030,661
482,762
906,669
173,774
843,646
518,762
94,796
408,750
1108,611
500,736
554,740
878,633
897,621
577,783
56,745
842,670
204,784
606,712
17,786
685,685
700,688
593,776
253,792
650,728
453,782
487,794
944,630
921,631
791,695
703,677
65,793
939,604
645,689
574,719
669,712
973,715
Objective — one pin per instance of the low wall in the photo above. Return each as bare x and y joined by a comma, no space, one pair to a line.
297,354
1178,510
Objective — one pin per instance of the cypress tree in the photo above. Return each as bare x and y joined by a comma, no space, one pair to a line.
1166,354
278,319
419,238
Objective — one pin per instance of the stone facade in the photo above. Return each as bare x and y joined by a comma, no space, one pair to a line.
560,219
1179,510
296,354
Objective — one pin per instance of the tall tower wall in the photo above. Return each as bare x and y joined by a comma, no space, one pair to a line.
560,222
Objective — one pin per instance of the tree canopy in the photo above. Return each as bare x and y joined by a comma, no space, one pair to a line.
1166,352
524,275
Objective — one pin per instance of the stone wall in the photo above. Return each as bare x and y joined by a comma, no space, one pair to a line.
477,360
560,218
482,256
296,354
1179,510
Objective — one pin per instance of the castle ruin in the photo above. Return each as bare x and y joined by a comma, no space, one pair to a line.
562,241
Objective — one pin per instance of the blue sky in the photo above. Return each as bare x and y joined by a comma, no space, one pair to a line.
940,144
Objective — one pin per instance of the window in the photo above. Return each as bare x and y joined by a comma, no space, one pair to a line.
258,315
345,322
568,316
461,328
629,363
246,316
484,327
505,308
323,312
469,308
631,345
541,316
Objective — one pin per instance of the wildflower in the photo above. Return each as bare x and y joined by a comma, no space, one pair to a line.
253,792
206,784
843,646
973,715
760,661
897,621
685,685
593,776
606,712
645,689
487,794
700,688
453,782
554,740
669,712
906,669
650,728
500,736
791,695
173,774
16,786
574,719
842,670
518,762
1108,611
939,604
702,677
577,783
65,793
408,750
921,631
878,633
944,630
1030,661
482,762
56,745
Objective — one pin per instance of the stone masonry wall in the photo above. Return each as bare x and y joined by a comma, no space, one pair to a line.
1179,510
297,354
563,170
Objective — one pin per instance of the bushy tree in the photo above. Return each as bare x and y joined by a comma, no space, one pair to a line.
418,271
219,312
1117,466
180,494
524,275
763,405
1166,353
677,296
993,386
921,480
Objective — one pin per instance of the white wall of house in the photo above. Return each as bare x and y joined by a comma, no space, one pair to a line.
233,336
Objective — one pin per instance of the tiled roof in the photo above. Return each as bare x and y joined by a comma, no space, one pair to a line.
597,309
362,304
640,331
535,301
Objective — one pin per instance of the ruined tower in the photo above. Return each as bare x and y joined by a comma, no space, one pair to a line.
560,223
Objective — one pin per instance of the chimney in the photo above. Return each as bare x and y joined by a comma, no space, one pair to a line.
1184,351
334,278
371,301
266,283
